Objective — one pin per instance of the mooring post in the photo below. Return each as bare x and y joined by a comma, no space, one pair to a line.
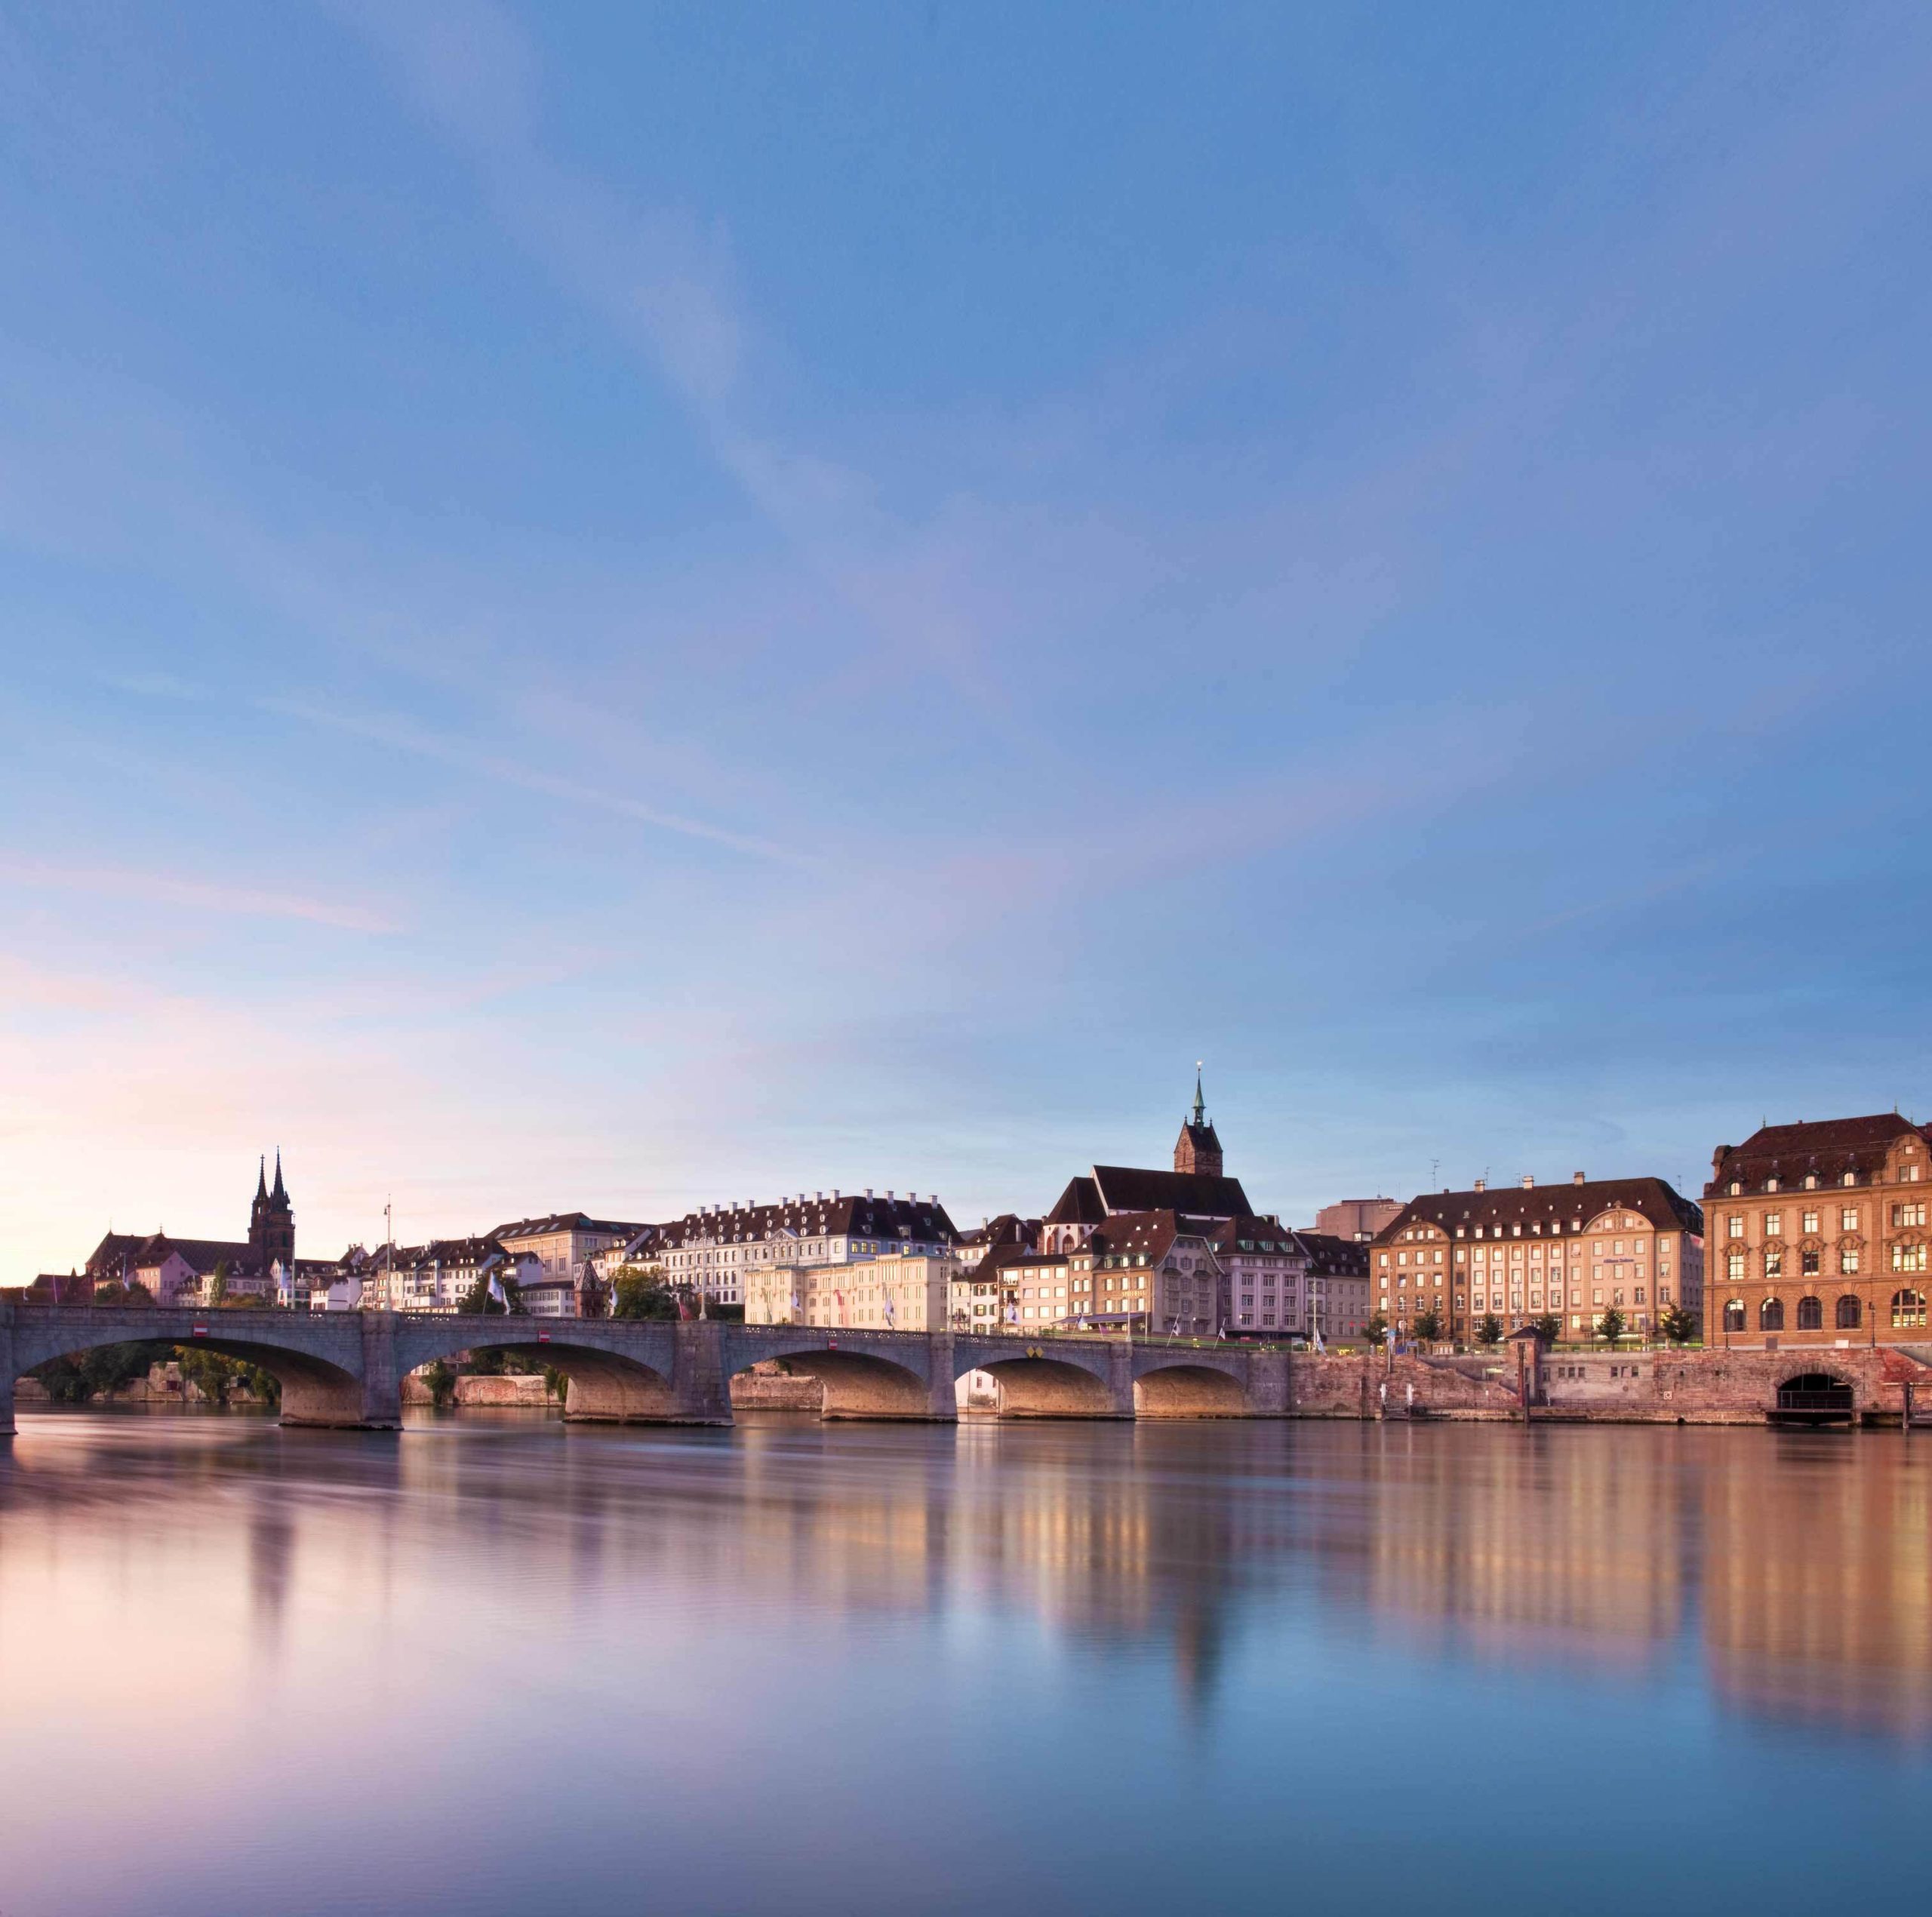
6,1370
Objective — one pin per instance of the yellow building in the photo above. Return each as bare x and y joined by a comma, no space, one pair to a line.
894,1293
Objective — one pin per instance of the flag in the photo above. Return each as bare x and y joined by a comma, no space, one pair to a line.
888,1308
1320,1346
498,1292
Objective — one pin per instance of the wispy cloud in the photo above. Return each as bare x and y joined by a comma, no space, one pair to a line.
171,889
492,759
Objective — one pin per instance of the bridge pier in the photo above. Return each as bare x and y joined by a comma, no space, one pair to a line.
700,1390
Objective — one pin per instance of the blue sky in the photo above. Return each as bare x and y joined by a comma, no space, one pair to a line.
629,606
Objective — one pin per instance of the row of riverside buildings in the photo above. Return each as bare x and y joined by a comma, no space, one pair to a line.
1809,1233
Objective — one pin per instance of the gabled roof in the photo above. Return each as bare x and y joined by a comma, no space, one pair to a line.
1232,1235
1128,1188
841,1215
152,1248
1078,1205
1543,1206
1329,1256
1150,1234
1009,1227
543,1226
1825,1148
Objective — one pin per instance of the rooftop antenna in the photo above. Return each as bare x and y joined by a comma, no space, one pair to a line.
1434,1166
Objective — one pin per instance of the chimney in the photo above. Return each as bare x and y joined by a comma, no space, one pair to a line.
1529,1181
869,1191
818,1198
1482,1184
1575,1178
889,1198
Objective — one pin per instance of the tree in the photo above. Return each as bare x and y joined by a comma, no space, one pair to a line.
640,1291
479,1302
218,1283
1678,1324
1609,1327
132,1293
1548,1328
1489,1330
1376,1329
1428,1326
440,1381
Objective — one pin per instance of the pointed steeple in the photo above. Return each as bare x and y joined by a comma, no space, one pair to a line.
1200,1104
278,1191
261,1179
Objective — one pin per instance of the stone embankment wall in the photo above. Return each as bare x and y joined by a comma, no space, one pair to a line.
1631,1387
763,1388
1370,1385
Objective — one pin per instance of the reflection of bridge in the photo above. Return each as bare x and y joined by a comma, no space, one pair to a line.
347,1368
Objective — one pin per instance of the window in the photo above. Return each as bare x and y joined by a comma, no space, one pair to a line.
1773,1262
1811,1221
1848,1313
1733,1265
1811,1181
1770,1314
1913,1214
1907,1257
1733,1225
1810,1314
1851,1177
1774,1224
1908,1310
1734,1315
1848,1219
1807,1264
1848,1259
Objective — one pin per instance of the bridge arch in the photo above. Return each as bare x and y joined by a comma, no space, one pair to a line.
1037,1382
1185,1389
855,1383
1815,1396
606,1385
315,1389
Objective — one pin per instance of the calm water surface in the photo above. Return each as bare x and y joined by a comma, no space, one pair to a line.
500,1667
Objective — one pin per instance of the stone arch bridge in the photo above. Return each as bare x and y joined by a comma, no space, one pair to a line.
344,1369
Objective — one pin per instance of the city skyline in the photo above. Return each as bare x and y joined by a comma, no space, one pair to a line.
635,612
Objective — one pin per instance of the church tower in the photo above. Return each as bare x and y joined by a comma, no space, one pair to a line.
272,1222
1198,1149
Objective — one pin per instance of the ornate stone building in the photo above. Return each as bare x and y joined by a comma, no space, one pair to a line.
1818,1235
1527,1251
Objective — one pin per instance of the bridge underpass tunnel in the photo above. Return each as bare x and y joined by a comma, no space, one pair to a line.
1188,1391
1048,1388
853,1384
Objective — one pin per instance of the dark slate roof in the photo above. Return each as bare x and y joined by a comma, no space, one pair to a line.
1204,1137
1658,1203
841,1216
1078,1205
1255,1234
458,1251
1009,1227
1148,1234
1329,1256
150,1249
563,1221
1125,1188
1826,1148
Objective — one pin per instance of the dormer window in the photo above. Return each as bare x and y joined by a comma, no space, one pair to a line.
1771,1184
1811,1181
1851,1177
1736,1189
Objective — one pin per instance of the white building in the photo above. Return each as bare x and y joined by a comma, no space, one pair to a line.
893,1293
718,1249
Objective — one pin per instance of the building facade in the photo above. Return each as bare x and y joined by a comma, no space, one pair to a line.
1525,1252
1335,1280
1359,1219
559,1248
718,1249
1818,1235
894,1292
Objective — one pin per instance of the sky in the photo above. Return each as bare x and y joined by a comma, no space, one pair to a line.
624,608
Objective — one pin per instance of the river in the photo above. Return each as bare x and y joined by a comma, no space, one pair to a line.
495,1666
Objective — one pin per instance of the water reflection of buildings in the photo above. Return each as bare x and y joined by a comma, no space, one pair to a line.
1817,1586
1802,1563
1543,1544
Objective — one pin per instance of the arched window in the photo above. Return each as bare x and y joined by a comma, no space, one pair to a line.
1770,1314
1810,1314
1734,1315
1908,1310
1848,1314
